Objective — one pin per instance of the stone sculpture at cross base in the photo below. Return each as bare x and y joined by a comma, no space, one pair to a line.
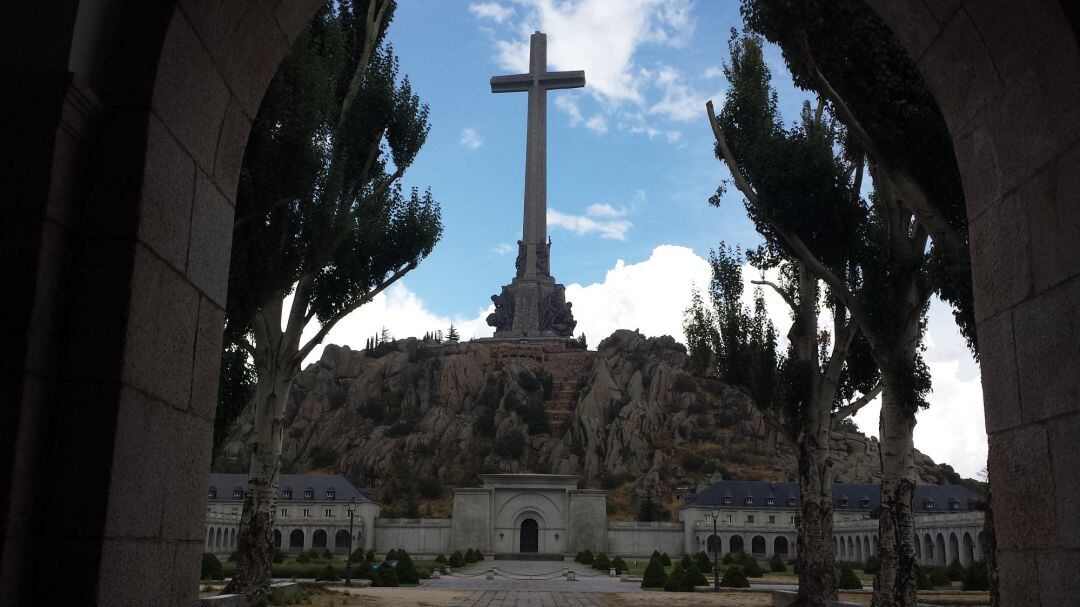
533,305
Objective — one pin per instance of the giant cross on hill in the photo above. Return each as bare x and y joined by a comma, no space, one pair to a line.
533,305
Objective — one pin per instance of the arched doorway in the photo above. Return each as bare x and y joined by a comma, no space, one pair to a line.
969,549
757,545
318,539
277,539
296,538
713,545
954,547
341,540
939,550
529,540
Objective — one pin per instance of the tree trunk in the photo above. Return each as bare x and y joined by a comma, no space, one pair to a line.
274,356
895,580
816,558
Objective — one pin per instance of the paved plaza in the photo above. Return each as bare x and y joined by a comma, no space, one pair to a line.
528,598
533,577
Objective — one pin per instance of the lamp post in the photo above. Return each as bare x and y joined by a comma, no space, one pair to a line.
715,549
348,560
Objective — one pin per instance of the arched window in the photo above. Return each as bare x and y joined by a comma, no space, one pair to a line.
318,539
918,549
296,538
969,548
330,493
735,544
713,545
757,545
209,538
939,550
954,547
780,545
341,540
309,493
217,538
286,493
277,539
212,493
238,492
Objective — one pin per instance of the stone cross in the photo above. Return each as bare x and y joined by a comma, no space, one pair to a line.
537,82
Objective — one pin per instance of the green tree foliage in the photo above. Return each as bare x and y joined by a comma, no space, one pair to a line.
440,559
734,578
601,562
648,510
211,568
470,557
975,577
955,570
665,560
586,557
702,561
692,576
387,575
327,574
674,579
619,565
406,569
457,560
479,554
848,579
654,576
452,335
871,565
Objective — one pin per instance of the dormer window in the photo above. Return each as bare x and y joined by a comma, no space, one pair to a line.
769,501
727,499
790,501
843,502
286,493
864,502
748,500
928,504
330,493
309,493
212,493
238,492
954,504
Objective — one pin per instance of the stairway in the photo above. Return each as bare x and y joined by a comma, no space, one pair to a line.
568,369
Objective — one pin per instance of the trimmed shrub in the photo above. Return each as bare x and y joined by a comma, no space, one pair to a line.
364,572
586,557
619,565
665,560
327,555
656,555
955,571
478,554
440,559
370,556
871,565
848,580
406,569
358,556
727,559
387,576
470,556
279,556
776,564
734,578
703,562
751,567
674,579
232,557
601,563
211,568
975,577
938,577
654,576
303,558
328,574
686,561
692,577
456,560
922,579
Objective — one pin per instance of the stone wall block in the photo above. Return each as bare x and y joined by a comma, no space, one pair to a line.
1019,588
1057,576
959,71
1017,33
1001,395
1047,330
230,150
1055,223
136,489
979,167
1037,117
190,95
294,15
125,560
211,241
1023,488
1066,461
1001,257
185,445
161,331
206,371
914,25
165,206
943,9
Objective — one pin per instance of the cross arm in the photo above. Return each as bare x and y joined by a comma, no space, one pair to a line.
515,83
563,80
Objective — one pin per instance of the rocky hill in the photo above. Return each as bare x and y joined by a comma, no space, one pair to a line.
412,418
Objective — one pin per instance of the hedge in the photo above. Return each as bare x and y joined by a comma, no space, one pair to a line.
654,576
734,578
211,568
848,580
777,564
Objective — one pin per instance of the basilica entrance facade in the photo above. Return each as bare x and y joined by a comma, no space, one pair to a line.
530,536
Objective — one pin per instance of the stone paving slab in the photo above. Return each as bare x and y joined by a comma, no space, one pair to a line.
514,598
587,580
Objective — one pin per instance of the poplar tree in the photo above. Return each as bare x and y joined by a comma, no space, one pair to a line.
322,225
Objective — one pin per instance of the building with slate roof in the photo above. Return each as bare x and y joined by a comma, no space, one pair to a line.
312,512
761,517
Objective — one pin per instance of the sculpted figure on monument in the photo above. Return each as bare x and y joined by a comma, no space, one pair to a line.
556,315
503,316
519,263
543,255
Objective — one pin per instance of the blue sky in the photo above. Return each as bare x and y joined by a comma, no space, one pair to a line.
630,168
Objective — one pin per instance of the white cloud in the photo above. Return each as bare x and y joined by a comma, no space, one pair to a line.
503,248
604,210
491,10
597,123
680,102
471,139
600,37
607,226
713,72
569,105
